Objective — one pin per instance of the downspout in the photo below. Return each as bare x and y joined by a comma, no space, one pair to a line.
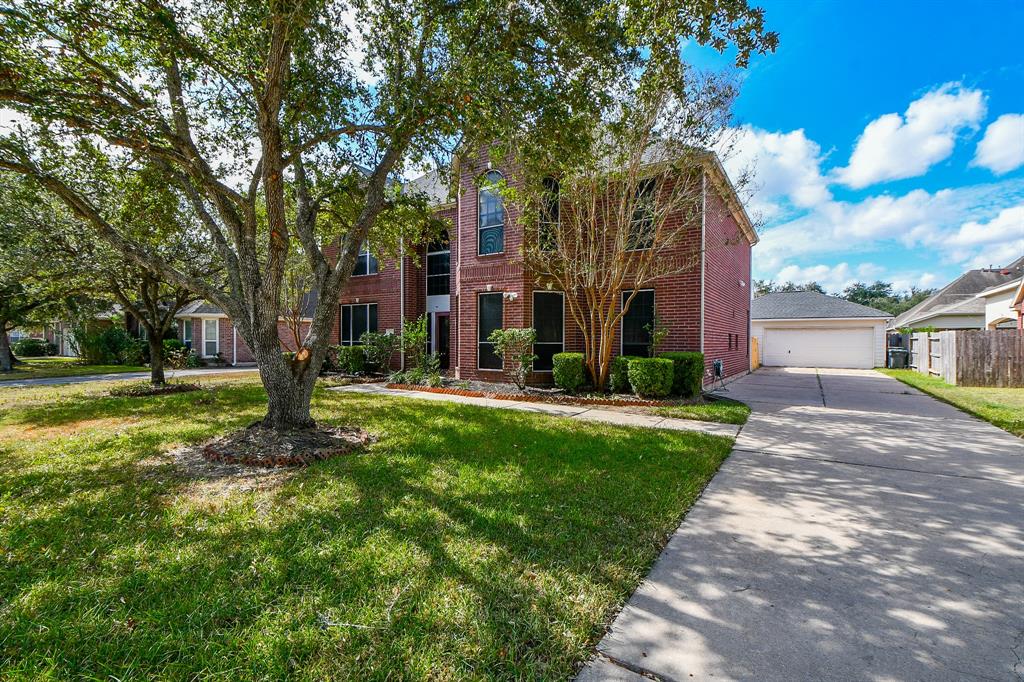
703,246
234,346
458,277
401,298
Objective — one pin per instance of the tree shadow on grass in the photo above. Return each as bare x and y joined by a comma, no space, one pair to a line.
467,542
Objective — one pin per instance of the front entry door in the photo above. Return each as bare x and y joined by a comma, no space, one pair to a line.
441,338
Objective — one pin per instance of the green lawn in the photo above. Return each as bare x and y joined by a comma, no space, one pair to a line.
466,543
1003,407
725,411
43,368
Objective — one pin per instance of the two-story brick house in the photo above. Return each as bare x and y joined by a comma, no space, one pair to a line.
475,282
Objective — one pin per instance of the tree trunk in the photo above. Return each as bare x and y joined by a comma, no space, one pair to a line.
6,356
289,383
156,360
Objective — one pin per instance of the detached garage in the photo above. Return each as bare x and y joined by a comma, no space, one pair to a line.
808,329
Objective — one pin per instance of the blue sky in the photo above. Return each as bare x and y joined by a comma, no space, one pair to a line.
887,140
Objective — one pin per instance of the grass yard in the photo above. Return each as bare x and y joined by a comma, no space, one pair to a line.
466,543
1003,407
45,368
724,411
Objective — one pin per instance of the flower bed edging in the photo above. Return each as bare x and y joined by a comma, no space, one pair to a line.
513,397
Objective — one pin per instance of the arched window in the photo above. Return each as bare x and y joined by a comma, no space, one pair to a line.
491,216
550,214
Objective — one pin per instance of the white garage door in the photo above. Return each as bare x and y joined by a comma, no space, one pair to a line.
852,347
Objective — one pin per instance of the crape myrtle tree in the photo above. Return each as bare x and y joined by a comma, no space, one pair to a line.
237,101
626,211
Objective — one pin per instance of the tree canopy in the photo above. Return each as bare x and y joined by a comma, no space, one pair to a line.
289,122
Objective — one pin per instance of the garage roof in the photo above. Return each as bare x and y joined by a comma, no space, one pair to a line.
809,305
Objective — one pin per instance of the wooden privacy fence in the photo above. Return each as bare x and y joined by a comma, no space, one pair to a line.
755,354
971,357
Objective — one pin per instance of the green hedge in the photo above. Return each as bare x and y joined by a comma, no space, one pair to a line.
619,374
688,379
351,359
33,348
568,371
651,377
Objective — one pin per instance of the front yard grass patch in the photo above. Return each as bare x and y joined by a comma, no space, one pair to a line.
1003,407
45,368
464,543
720,410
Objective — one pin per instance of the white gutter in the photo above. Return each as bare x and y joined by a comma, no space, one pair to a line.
703,244
815,319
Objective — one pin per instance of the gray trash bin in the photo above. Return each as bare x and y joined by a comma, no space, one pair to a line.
898,358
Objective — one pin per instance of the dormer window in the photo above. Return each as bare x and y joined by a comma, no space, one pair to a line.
491,216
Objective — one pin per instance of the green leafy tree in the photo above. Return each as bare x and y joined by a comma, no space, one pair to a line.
38,278
762,287
237,102
881,295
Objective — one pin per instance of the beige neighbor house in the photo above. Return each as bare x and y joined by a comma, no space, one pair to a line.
958,304
1003,305
808,329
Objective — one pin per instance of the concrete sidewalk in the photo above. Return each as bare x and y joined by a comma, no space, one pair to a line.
860,531
123,376
581,413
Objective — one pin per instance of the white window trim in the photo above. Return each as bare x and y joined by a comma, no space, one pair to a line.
427,275
341,319
533,316
365,251
215,339
187,331
622,320
504,222
479,298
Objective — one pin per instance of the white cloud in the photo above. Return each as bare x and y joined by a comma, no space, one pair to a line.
946,225
1001,150
998,241
835,278
894,146
785,169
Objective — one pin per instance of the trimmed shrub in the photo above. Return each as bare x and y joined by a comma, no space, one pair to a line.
172,346
107,346
688,378
32,348
619,374
350,359
568,371
651,377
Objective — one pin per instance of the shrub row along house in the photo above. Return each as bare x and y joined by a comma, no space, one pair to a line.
474,281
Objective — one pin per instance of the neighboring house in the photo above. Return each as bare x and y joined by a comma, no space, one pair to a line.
957,305
473,281
1003,305
208,331
808,329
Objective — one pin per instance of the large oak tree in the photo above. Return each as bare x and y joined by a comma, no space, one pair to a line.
236,102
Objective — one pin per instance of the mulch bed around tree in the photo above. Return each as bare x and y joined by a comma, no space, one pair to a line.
560,399
140,390
261,447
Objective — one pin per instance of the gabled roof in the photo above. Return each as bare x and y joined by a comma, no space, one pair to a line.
1000,288
809,305
957,296
434,185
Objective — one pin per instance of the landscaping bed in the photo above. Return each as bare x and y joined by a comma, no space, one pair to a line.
144,388
464,543
537,396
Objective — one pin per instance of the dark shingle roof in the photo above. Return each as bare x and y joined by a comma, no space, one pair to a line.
958,297
434,185
808,305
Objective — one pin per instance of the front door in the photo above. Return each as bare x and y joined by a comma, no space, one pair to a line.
441,338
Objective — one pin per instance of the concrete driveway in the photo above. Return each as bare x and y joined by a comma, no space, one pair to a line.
860,531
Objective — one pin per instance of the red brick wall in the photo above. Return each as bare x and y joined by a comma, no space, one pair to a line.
727,288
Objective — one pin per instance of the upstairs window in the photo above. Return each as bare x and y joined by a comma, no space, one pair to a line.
550,215
637,323
366,264
641,228
439,267
491,216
